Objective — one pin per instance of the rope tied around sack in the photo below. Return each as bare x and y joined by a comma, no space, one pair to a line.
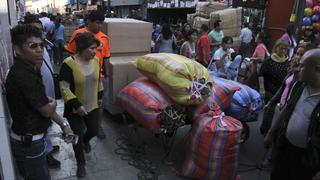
216,114
199,88
172,117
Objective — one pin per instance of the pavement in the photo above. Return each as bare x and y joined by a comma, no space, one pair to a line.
104,164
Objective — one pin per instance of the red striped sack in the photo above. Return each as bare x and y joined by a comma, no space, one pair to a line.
215,142
144,100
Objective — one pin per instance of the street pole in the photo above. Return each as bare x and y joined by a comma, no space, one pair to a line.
109,6
77,5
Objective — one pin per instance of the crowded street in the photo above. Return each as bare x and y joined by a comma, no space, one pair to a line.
160,89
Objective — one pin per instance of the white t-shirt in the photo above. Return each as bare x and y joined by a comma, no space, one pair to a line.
246,35
219,53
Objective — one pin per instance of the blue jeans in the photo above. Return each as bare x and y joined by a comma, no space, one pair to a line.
31,161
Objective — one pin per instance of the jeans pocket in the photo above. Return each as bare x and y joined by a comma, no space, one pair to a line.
37,149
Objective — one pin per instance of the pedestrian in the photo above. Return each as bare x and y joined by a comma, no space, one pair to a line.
48,82
188,48
181,37
290,37
259,55
93,24
203,46
296,152
272,73
58,41
82,93
222,57
166,41
245,37
216,35
30,108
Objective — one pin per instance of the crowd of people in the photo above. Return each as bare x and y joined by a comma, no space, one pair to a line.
288,75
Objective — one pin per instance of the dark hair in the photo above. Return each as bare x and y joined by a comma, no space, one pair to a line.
85,40
166,31
205,27
189,33
246,24
184,28
216,23
95,16
31,18
226,39
22,32
290,28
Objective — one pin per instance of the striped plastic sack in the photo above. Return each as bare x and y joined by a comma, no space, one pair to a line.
186,81
144,100
215,143
246,102
221,95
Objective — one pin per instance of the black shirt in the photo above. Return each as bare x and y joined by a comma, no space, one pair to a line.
274,74
25,94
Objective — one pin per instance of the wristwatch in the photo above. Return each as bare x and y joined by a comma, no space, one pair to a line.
65,124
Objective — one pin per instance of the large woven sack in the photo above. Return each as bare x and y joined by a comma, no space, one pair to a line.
232,32
245,104
150,106
198,21
236,43
221,95
209,7
186,81
230,18
214,147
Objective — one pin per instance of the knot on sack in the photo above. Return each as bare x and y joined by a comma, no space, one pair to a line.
216,114
199,88
172,117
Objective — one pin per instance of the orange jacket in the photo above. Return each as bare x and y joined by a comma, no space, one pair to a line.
103,51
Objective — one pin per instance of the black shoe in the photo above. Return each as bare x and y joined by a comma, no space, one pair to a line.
87,147
81,171
52,162
55,149
101,134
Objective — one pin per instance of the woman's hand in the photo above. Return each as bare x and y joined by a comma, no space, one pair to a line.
67,130
82,111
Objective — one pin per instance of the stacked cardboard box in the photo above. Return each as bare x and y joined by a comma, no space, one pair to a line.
129,39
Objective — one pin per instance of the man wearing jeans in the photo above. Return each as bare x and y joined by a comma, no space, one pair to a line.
31,110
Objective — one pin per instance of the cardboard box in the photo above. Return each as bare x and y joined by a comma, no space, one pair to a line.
120,73
128,35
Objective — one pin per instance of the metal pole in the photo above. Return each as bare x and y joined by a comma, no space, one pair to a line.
77,5
109,6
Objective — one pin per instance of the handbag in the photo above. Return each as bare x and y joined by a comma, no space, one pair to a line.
56,84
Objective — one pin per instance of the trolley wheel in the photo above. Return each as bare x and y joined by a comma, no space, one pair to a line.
245,133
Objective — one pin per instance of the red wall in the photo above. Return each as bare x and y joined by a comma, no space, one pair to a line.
278,16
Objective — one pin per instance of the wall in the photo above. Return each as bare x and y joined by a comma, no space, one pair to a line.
277,17
124,2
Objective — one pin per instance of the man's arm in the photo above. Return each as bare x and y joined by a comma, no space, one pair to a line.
48,109
60,121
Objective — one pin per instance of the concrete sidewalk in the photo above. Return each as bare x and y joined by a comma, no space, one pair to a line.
103,163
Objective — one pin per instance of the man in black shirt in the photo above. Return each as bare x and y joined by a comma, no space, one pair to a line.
31,110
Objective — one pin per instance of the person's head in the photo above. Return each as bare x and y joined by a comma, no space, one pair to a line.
226,42
295,62
281,48
291,29
94,21
57,20
204,28
166,31
316,34
191,35
86,45
308,32
34,21
246,24
309,71
28,43
186,27
216,25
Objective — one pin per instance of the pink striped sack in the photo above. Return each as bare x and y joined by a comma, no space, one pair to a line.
144,100
215,142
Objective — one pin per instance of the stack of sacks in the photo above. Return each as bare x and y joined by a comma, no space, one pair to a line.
214,147
203,11
146,102
230,20
246,102
186,81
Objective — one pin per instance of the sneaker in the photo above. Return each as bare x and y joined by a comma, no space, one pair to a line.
81,171
101,134
87,147
52,162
